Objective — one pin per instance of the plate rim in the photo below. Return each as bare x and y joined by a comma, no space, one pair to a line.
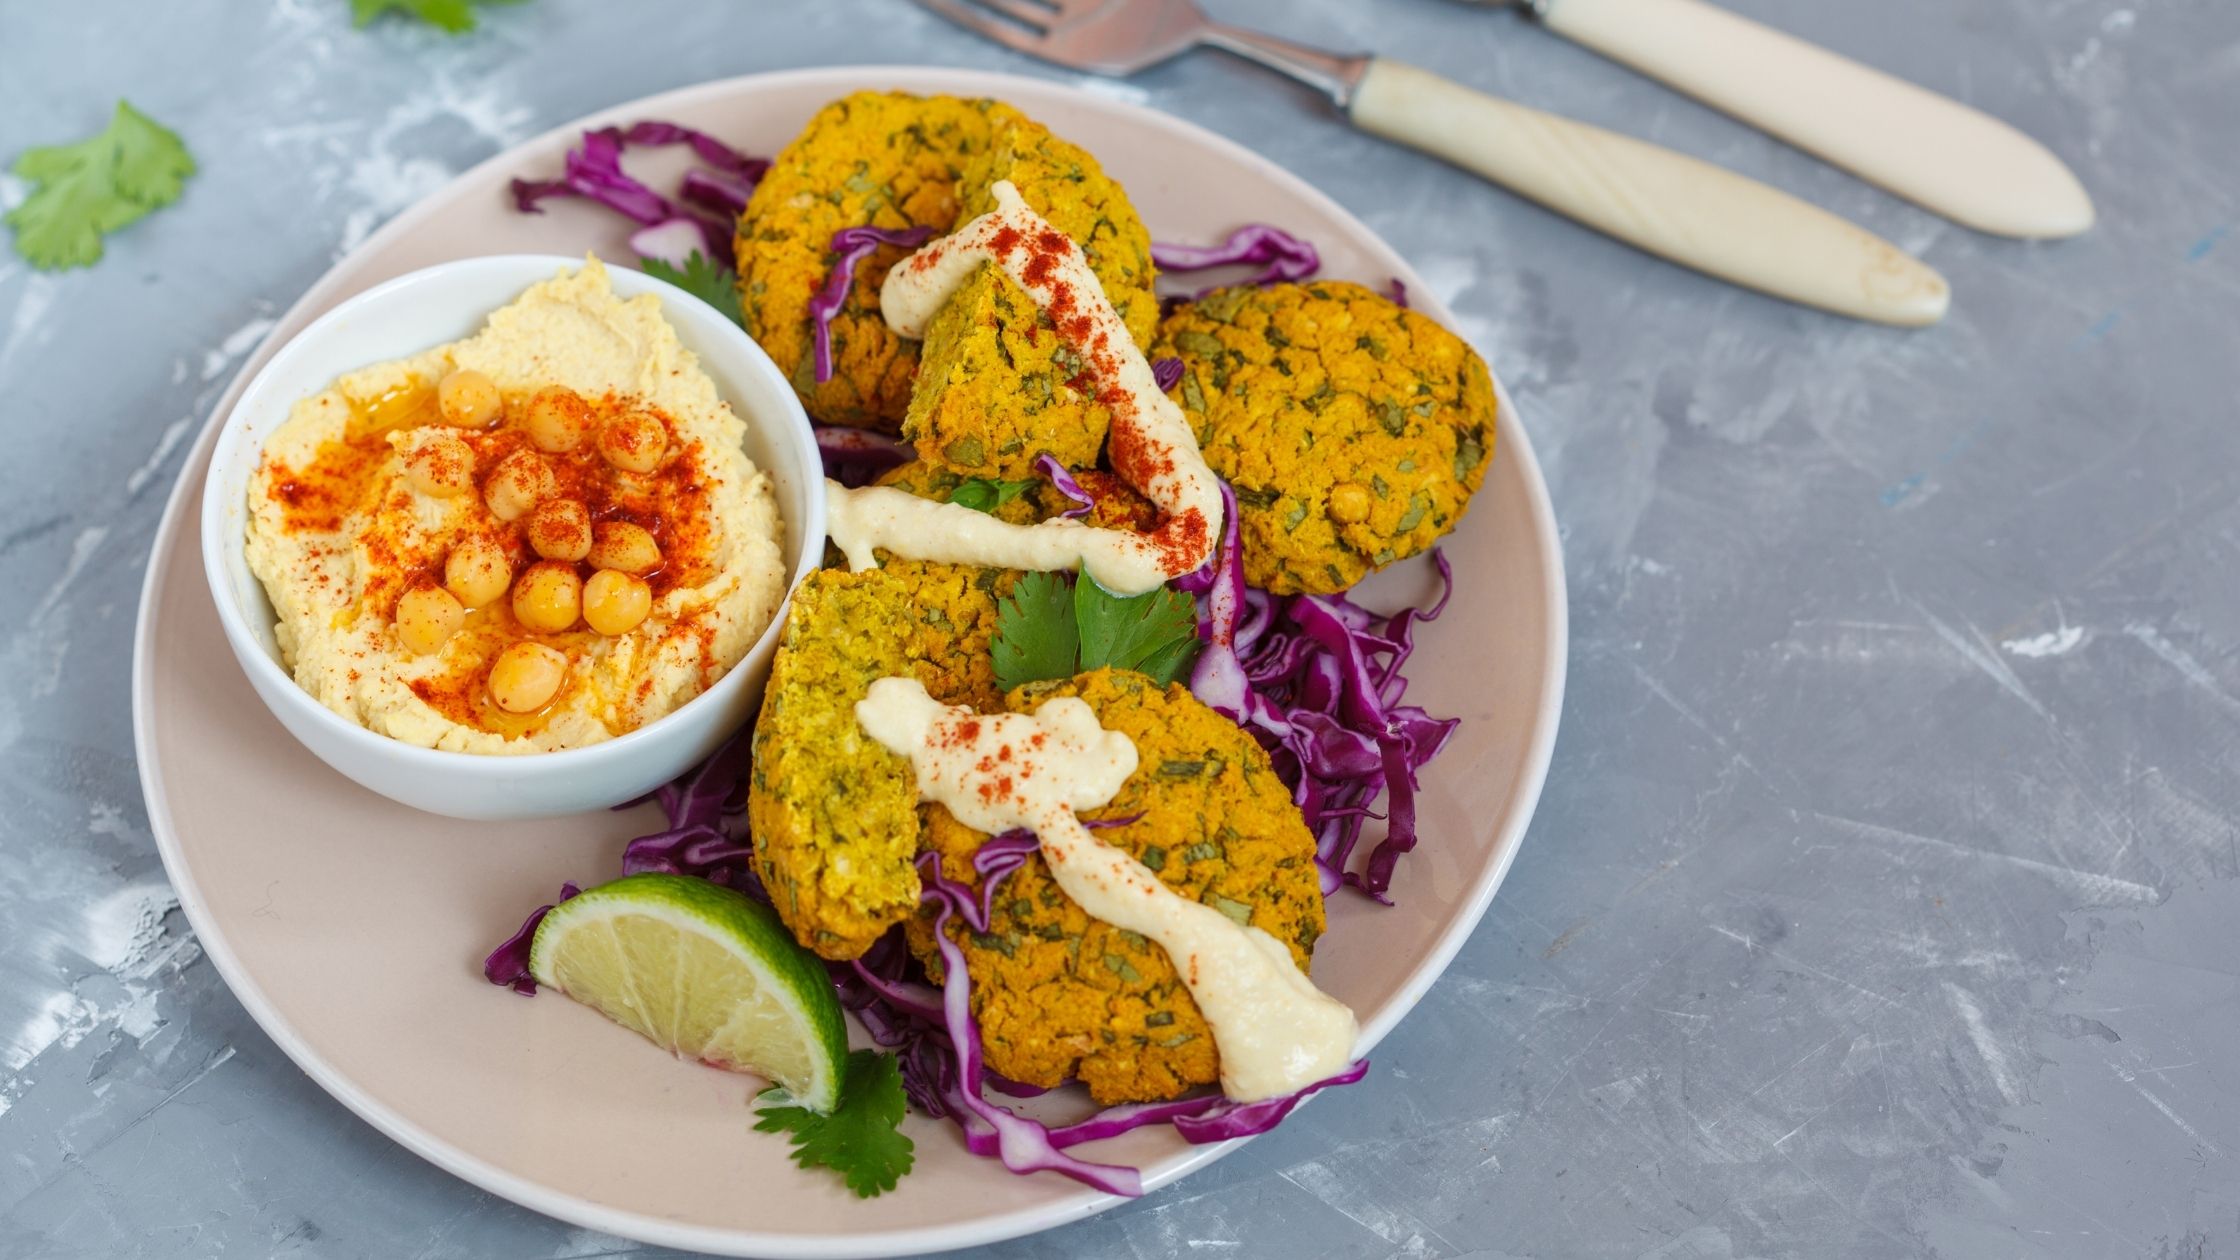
662,1231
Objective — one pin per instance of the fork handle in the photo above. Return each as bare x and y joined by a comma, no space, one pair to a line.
1667,203
1960,162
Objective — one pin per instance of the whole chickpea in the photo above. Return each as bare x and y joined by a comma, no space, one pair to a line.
1349,503
427,617
623,546
634,442
558,421
468,399
440,465
519,483
526,676
477,571
560,529
615,603
548,597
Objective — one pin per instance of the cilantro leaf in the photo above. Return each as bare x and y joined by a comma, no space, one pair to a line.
1043,632
984,495
862,1139
1035,637
95,187
1154,633
711,282
453,16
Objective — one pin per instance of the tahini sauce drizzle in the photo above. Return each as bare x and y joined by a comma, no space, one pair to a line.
1151,443
1275,1031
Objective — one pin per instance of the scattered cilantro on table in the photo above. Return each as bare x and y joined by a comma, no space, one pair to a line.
86,190
711,282
982,494
453,16
1044,631
862,1139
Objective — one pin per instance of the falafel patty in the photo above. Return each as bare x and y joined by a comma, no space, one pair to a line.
1353,430
1027,500
1059,994
884,159
997,385
894,160
834,814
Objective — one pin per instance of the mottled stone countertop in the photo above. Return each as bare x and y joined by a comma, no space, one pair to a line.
1885,896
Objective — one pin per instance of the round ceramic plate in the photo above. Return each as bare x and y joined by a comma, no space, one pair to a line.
353,928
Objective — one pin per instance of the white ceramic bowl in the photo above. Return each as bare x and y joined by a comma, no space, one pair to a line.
405,316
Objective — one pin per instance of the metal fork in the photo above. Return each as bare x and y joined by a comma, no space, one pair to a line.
1672,205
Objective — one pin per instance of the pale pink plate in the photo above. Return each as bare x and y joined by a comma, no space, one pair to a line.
352,927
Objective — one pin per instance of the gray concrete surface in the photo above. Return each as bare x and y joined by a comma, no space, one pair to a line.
1884,897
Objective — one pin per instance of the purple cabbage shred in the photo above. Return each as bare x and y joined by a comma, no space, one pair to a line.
593,170
1278,254
850,246
1166,373
856,457
1083,501
1316,679
508,964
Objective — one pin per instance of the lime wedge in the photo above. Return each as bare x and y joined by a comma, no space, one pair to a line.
702,972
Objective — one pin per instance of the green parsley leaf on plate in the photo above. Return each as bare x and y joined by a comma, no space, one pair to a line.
1043,631
453,16
709,281
1035,637
85,190
1154,633
862,1139
984,495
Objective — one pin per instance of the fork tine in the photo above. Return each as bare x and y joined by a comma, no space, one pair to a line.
1038,14
980,21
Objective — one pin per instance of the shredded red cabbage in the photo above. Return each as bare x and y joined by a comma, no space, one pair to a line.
707,148
1400,293
723,191
1279,255
508,964
1316,679
1084,502
1166,373
593,170
850,246
856,457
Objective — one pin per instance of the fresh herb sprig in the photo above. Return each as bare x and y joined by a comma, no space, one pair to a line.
455,17
983,494
84,191
862,1139
1046,631
711,282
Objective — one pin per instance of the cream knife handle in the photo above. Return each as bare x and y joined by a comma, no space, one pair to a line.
1667,203
1960,162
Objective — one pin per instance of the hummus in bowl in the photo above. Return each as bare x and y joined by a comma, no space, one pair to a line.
511,536
535,538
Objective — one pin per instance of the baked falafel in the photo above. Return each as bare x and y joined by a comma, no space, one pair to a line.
1059,994
895,160
834,814
884,159
997,385
1353,430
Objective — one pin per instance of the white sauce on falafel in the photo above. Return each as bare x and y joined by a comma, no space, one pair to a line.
1276,1033
1151,444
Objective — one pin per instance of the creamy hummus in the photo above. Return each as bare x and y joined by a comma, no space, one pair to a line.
338,531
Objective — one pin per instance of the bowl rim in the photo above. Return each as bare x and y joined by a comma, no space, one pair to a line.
230,444
659,1231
